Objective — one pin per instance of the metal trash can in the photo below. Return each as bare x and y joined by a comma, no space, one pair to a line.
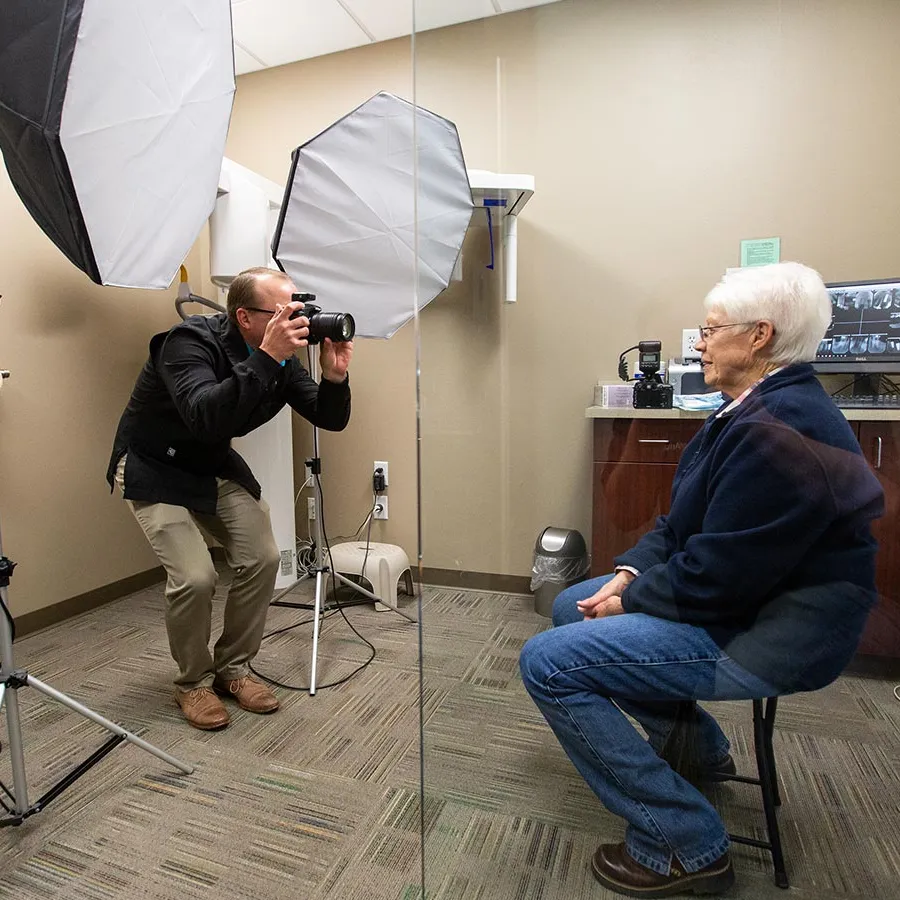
560,560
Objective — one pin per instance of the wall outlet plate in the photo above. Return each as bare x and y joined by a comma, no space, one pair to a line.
381,501
689,339
381,464
311,509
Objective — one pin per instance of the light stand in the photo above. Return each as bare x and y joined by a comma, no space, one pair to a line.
11,679
322,568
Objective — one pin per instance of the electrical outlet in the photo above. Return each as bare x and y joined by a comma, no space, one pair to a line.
381,464
689,339
381,507
311,509
309,475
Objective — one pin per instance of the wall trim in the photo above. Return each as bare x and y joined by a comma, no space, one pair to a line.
484,581
74,606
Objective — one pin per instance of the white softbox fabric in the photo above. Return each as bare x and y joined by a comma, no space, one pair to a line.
113,118
347,230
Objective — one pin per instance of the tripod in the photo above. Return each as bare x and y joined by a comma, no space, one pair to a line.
11,679
322,569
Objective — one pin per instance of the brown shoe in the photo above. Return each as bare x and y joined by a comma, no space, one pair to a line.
614,868
202,708
252,695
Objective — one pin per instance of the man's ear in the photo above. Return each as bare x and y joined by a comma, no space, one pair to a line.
242,317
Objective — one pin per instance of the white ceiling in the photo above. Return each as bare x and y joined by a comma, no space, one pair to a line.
274,32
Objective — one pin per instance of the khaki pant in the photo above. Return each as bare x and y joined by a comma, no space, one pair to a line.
243,528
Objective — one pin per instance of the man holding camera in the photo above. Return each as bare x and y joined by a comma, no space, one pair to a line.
210,379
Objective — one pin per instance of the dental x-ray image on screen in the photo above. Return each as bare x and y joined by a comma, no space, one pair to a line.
864,335
357,229
113,117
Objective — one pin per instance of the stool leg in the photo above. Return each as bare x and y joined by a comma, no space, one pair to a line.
382,584
771,706
768,796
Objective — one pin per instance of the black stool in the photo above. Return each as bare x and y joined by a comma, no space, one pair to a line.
763,726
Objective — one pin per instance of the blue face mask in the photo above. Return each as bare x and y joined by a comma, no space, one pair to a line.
698,401
250,350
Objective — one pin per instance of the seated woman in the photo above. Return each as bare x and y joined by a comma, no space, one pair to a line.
757,583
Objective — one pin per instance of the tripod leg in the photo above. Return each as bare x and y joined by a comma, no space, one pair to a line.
16,751
11,699
320,578
109,726
361,590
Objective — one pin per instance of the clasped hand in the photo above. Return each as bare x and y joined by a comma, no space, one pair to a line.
607,601
284,336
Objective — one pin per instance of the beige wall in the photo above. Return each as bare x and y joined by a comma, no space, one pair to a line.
274,112
74,350
660,134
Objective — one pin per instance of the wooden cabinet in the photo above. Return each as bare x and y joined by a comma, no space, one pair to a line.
634,463
880,442
634,466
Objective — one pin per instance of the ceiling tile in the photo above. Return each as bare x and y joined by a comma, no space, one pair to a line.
437,13
281,31
391,18
385,19
513,5
243,61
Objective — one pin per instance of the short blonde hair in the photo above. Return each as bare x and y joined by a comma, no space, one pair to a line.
791,296
242,290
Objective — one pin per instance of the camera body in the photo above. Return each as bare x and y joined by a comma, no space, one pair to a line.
651,392
339,327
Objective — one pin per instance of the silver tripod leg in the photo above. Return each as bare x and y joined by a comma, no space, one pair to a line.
13,722
14,725
107,724
383,601
320,580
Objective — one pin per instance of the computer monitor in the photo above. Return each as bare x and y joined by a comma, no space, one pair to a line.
864,335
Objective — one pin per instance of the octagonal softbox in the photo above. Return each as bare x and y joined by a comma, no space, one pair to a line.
347,229
113,117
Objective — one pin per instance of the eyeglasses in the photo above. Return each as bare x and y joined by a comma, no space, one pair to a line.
268,312
707,330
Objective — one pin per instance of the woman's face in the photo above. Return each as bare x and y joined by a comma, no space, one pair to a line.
726,355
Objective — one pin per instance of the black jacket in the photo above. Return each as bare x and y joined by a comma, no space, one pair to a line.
200,388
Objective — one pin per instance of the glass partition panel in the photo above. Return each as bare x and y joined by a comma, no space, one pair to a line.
622,157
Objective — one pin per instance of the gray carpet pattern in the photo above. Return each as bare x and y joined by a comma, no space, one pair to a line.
322,799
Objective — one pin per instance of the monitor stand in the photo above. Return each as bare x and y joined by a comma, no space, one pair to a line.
866,386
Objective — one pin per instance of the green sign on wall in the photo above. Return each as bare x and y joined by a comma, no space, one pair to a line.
761,251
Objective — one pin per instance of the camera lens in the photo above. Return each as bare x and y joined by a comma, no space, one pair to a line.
336,326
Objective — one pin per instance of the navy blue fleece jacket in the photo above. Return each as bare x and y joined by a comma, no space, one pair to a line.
771,498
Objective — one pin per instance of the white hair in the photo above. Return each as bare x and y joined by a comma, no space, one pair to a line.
791,296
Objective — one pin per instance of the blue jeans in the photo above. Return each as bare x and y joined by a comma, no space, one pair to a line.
585,674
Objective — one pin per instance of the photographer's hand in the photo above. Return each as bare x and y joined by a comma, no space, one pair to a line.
284,335
607,601
334,359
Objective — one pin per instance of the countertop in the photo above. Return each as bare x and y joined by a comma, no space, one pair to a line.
602,412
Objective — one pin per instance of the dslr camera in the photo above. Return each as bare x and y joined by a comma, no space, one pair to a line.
651,392
339,327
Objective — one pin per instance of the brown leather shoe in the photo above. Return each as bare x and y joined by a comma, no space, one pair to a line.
202,708
615,869
252,695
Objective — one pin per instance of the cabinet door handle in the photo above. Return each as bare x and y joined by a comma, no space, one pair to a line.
878,453
653,440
